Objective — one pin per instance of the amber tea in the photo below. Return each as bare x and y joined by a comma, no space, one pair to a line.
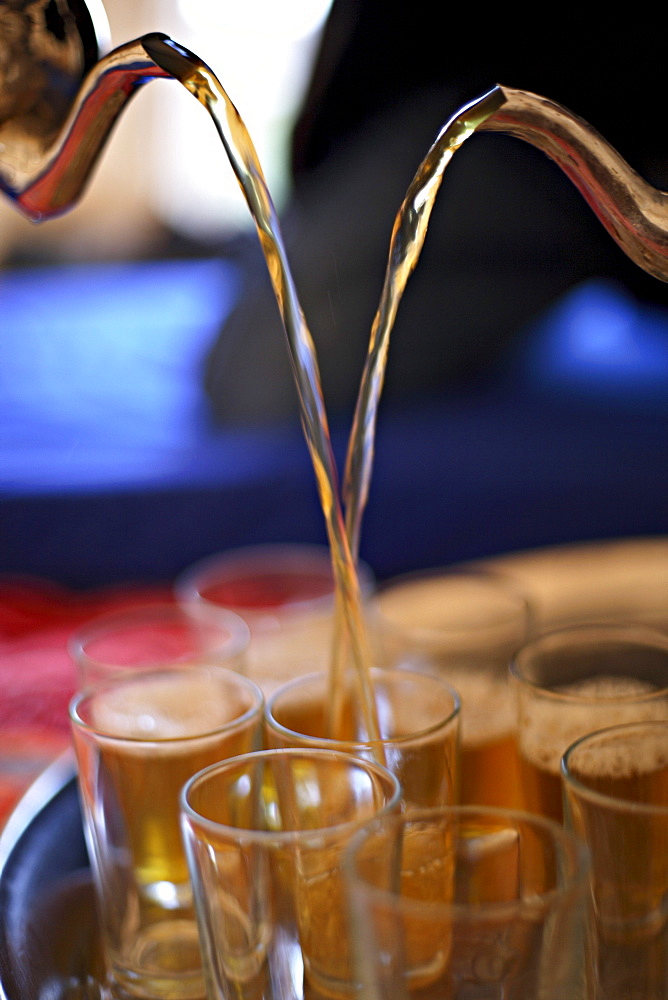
573,681
418,717
616,796
138,738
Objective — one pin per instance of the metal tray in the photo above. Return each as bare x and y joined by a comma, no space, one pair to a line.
49,939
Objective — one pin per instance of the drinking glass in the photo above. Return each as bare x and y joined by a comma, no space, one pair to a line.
138,737
418,727
155,635
265,835
569,682
616,798
469,903
463,626
284,592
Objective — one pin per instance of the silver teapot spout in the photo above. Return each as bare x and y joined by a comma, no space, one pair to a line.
634,213
59,100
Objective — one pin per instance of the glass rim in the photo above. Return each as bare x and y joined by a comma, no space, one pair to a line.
274,559
255,709
572,851
334,744
631,633
198,820
516,606
613,803
109,622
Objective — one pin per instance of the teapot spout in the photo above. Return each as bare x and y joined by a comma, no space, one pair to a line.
633,212
46,182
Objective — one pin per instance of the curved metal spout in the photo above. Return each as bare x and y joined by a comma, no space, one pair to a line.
45,173
633,212
59,104
53,184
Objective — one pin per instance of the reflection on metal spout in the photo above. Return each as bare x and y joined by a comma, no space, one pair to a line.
46,49
633,212
47,182
59,100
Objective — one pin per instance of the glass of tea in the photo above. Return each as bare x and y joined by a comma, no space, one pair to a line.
265,835
462,626
153,635
616,798
286,594
467,902
571,681
418,727
138,737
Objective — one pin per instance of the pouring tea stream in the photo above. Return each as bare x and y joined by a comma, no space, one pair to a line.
46,160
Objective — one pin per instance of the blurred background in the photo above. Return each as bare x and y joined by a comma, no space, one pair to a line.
147,411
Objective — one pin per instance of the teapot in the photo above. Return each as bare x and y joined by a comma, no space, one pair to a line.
60,99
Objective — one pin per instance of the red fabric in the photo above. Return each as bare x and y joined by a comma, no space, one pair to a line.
37,677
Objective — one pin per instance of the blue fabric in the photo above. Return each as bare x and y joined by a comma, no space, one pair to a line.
112,471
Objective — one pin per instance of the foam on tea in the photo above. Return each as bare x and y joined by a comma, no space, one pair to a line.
548,724
549,728
612,763
165,706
